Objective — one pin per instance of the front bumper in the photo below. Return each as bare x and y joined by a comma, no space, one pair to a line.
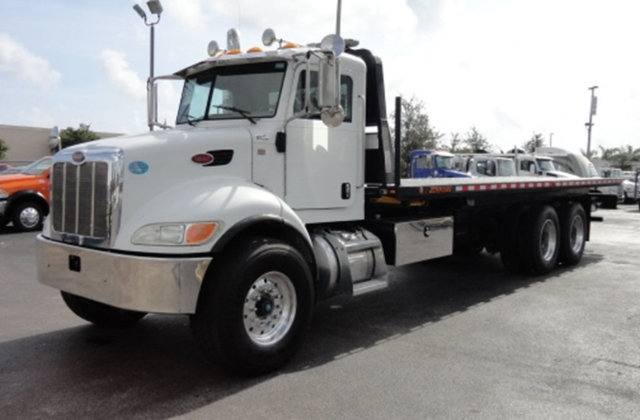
146,284
3,206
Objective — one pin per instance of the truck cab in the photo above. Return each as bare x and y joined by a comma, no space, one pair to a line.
481,165
433,164
578,165
267,161
536,165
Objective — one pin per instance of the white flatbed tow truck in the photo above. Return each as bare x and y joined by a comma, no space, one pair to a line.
279,187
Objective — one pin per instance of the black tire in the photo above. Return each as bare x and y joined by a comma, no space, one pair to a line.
510,244
609,202
573,225
27,217
541,239
473,249
100,314
255,303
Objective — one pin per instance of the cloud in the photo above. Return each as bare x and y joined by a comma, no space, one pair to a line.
23,64
121,75
305,21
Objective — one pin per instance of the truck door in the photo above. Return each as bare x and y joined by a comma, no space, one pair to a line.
323,165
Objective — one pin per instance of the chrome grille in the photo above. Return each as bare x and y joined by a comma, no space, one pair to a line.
80,199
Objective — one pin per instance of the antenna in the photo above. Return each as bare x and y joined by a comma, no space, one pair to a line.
338,17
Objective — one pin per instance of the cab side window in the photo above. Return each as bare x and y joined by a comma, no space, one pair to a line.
346,95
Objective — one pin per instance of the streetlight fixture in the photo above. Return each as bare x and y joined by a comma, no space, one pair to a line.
592,112
155,8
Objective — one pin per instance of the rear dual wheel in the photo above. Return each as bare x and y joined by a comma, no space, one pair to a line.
541,240
535,240
574,234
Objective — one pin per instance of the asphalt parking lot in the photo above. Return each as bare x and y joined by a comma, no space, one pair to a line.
453,338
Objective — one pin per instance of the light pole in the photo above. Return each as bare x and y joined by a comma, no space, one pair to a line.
592,112
550,139
156,9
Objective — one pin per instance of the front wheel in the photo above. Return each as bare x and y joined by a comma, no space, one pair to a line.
27,217
254,306
99,313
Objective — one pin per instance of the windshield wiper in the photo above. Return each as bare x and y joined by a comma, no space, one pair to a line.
185,116
245,114
192,122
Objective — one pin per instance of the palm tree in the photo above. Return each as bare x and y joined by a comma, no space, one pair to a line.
608,153
625,156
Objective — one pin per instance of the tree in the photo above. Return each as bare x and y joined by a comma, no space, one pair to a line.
625,156
476,142
608,153
70,136
3,149
534,142
417,132
455,144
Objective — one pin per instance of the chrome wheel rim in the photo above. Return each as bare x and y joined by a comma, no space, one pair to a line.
576,234
548,240
269,308
29,217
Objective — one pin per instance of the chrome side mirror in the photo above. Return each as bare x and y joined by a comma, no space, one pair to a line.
331,112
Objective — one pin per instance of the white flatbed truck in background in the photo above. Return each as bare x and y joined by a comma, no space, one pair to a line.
278,188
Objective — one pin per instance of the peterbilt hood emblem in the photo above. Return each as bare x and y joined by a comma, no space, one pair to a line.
78,157
202,158
213,158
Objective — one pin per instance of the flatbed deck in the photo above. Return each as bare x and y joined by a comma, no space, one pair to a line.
420,191
446,187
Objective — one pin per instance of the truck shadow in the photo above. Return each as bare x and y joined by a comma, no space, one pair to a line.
419,295
155,370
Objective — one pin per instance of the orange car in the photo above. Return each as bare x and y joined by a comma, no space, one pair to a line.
24,196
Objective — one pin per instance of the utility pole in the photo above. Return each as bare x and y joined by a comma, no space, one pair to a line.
338,17
592,112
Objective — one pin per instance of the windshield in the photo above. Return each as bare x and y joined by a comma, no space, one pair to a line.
546,165
593,172
444,162
37,167
231,92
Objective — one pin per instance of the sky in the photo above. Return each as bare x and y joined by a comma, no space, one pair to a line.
509,68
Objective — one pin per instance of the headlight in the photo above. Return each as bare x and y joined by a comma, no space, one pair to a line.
3,194
174,234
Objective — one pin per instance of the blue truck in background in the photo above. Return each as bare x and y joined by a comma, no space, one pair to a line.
433,164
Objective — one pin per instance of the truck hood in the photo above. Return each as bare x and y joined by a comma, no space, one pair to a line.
452,173
23,180
159,161
560,174
14,177
170,156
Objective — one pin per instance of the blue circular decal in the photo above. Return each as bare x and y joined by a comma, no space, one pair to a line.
138,167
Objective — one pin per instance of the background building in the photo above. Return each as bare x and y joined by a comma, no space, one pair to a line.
27,144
